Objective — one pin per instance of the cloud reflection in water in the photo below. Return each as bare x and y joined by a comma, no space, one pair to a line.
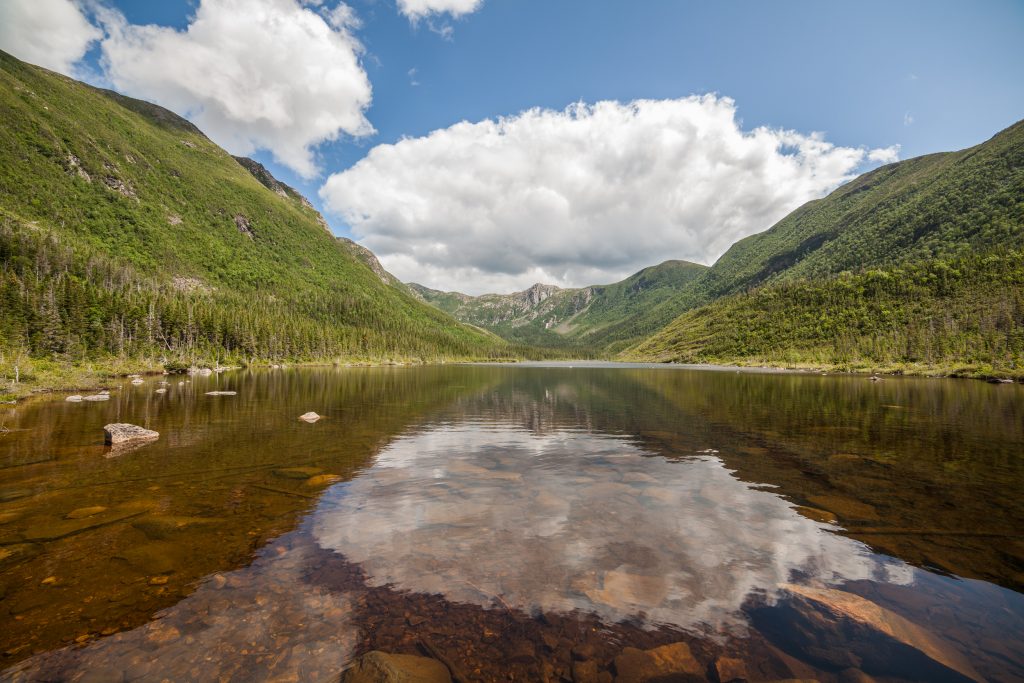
572,520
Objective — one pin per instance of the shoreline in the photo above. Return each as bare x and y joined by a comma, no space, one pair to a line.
882,371
44,376
70,378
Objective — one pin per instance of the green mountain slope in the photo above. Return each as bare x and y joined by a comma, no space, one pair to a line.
963,315
935,206
828,284
125,232
592,319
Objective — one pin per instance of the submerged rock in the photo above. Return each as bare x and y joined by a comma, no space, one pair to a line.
156,557
817,514
74,399
51,529
585,672
82,513
137,380
221,393
164,527
19,551
322,480
623,590
97,397
381,667
668,662
841,629
297,472
309,417
730,669
843,507
123,432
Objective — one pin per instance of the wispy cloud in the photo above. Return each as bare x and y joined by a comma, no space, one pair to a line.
419,9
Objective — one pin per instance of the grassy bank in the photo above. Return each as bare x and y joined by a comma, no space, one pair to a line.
867,368
22,376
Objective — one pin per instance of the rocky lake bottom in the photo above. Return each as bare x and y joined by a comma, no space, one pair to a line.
535,523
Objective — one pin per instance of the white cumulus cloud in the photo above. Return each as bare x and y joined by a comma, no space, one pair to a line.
418,9
51,33
582,196
252,74
884,155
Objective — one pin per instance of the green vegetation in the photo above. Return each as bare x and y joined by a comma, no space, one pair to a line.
129,241
127,234
957,316
595,320
932,207
914,266
784,295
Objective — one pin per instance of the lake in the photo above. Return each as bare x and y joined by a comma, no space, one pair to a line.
533,522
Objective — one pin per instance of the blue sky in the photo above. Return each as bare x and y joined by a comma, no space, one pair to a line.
852,70
923,76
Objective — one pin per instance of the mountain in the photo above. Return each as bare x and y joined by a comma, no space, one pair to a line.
916,262
935,206
125,232
592,319
369,259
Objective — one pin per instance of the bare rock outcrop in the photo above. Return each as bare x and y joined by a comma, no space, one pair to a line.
244,226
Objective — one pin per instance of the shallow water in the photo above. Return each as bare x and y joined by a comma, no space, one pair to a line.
520,523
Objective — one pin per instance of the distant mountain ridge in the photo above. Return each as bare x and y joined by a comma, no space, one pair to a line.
592,318
825,285
491,310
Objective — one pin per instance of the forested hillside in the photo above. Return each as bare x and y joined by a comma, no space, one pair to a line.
127,235
915,263
935,206
961,315
594,320
125,232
